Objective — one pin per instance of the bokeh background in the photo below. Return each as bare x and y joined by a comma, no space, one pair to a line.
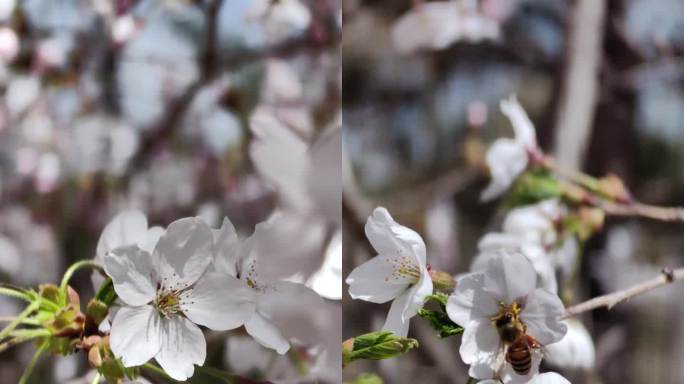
174,107
603,81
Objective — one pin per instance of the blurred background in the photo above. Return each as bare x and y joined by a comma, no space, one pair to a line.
603,81
177,108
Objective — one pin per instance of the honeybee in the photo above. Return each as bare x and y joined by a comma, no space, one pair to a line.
517,343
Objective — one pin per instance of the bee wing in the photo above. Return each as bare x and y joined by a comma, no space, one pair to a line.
500,358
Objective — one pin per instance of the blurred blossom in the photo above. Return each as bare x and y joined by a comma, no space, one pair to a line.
53,52
100,143
235,28
437,25
9,44
282,19
67,15
326,281
6,8
246,357
21,93
124,29
167,183
48,172
574,350
36,244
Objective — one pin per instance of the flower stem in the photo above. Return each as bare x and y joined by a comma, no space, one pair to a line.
75,267
32,364
23,315
10,291
217,373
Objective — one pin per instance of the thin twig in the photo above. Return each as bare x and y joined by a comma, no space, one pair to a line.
667,276
671,214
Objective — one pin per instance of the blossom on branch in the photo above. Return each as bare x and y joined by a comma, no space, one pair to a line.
508,284
508,158
399,271
166,294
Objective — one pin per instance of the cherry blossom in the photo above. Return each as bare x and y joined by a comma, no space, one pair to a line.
575,350
399,271
508,283
271,298
166,294
508,158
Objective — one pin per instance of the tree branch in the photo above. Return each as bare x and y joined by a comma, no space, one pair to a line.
667,276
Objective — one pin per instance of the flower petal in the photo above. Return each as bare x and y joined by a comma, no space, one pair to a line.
182,346
506,159
266,334
184,251
227,247
126,228
522,125
510,276
391,238
575,350
135,335
396,321
549,378
132,273
376,280
151,238
219,302
541,314
480,347
470,300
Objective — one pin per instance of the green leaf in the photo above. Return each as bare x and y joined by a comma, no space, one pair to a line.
106,293
440,322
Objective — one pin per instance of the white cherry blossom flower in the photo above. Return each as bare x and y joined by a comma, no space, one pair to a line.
491,243
575,350
508,158
166,293
127,228
271,298
281,19
507,284
399,271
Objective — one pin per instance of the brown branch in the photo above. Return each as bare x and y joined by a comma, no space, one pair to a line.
669,214
667,276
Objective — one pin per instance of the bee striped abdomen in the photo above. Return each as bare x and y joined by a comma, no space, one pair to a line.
520,357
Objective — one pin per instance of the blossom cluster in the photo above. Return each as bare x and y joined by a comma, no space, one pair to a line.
514,276
170,281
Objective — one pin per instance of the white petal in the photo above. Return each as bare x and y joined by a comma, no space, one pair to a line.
470,300
219,302
510,276
541,314
575,350
549,378
151,238
136,335
184,251
266,334
126,228
480,346
419,293
396,322
391,238
506,159
182,347
132,273
227,248
522,126
375,280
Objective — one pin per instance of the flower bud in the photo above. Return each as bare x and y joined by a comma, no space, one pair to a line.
97,311
442,281
376,346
